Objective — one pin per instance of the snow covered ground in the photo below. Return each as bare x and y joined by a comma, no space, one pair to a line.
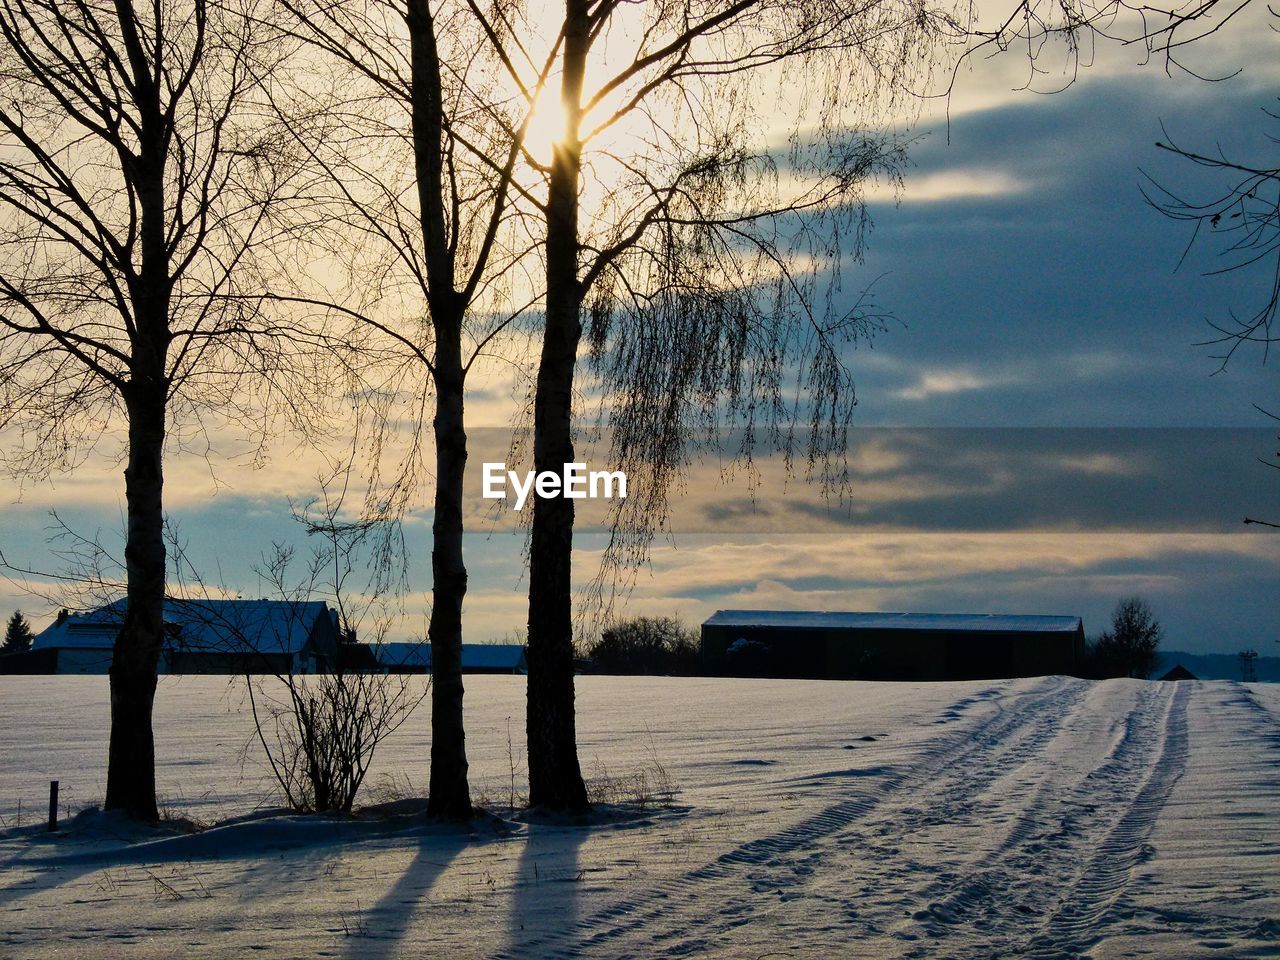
1047,817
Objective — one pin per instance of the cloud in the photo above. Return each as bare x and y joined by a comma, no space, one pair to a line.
974,479
1059,303
1096,464
1037,289
953,184
814,564
944,383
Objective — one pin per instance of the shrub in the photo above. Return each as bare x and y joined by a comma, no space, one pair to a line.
646,645
320,737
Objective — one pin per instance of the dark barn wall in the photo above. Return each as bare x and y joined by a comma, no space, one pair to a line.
851,653
224,664
30,662
323,643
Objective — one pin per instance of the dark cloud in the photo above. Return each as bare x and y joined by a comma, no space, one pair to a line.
1013,479
1062,293
936,479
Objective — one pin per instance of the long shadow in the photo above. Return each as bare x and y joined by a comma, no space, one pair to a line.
56,859
638,911
548,883
45,877
60,859
243,838
376,933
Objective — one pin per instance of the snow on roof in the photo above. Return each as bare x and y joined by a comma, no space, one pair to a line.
950,622
200,626
475,656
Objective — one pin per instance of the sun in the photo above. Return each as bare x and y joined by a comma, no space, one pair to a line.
546,126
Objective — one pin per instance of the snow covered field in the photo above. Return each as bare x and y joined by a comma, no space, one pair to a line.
1047,817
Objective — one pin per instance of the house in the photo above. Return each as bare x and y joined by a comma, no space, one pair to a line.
890,646
476,657
1179,672
74,643
203,636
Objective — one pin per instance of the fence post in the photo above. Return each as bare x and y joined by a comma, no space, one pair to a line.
53,805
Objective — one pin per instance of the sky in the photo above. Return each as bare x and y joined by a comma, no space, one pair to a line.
1038,430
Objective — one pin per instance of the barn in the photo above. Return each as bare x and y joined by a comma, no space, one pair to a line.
400,657
890,646
202,636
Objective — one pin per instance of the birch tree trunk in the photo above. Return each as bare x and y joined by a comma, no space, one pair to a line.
131,776
555,777
449,794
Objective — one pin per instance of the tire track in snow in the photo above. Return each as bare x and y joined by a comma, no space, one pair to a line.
951,773
1082,912
996,896
1086,838
953,765
1229,922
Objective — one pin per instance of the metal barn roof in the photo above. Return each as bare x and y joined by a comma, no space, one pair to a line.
948,622
204,626
475,656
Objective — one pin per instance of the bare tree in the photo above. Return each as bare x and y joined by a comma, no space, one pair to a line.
419,148
1242,218
645,645
703,258
709,267
1128,649
662,216
137,188
1238,213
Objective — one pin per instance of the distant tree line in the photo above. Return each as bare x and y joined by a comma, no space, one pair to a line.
661,646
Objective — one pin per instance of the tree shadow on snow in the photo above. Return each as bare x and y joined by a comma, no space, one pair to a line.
548,885
376,933
88,842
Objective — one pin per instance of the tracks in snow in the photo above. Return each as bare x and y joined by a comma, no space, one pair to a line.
1081,913
817,871
1049,888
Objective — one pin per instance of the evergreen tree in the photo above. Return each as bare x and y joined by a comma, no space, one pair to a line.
18,635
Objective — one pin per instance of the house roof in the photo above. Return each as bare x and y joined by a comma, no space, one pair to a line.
475,656
200,626
947,622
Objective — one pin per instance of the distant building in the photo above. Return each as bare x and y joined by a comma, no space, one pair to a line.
202,636
476,657
1215,666
1179,672
890,646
